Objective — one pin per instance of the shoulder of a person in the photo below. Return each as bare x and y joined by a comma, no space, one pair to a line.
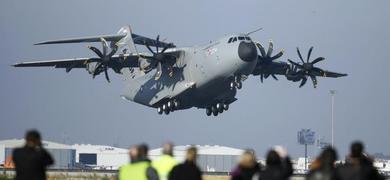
18,150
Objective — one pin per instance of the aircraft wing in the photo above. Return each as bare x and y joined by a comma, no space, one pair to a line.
124,60
114,37
330,74
138,39
276,68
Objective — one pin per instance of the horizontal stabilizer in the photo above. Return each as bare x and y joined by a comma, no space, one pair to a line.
114,37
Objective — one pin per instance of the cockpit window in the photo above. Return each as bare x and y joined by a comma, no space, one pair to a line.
241,38
230,40
234,39
248,38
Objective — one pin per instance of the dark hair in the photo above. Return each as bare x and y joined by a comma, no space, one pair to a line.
357,149
143,149
33,135
328,156
273,158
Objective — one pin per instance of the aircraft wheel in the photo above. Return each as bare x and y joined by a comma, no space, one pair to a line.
214,110
226,107
164,107
208,111
170,105
167,111
220,107
176,104
232,85
239,85
159,110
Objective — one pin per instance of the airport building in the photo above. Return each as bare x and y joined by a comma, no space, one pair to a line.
210,158
63,155
100,157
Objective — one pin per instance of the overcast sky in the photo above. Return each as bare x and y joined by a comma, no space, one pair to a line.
353,36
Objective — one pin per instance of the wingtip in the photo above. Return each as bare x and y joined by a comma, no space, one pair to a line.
40,43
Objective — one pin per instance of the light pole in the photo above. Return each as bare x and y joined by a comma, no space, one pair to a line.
332,93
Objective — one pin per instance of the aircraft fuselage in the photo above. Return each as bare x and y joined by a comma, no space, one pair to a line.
203,76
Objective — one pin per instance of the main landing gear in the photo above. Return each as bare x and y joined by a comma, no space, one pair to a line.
216,109
168,107
236,83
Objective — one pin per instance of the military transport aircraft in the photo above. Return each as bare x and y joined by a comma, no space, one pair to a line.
170,78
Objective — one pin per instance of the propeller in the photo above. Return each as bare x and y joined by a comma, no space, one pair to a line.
265,58
307,68
104,58
159,58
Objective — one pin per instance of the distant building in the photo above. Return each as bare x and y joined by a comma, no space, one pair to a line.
100,157
64,155
381,156
210,158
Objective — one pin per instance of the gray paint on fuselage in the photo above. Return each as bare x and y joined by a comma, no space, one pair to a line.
211,67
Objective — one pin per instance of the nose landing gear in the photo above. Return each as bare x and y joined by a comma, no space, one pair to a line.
168,107
216,109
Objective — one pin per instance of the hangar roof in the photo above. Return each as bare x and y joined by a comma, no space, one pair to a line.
13,143
88,148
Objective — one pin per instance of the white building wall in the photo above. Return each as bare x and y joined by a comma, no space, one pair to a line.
2,154
112,160
107,157
210,158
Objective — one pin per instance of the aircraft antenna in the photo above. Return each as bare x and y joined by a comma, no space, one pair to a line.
254,31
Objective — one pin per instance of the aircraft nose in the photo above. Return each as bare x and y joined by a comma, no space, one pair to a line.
247,51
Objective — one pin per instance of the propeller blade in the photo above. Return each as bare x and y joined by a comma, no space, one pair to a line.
105,46
158,43
150,49
158,72
96,51
165,48
270,49
318,60
294,63
96,72
280,54
262,51
303,82
106,74
309,53
266,76
273,75
113,51
261,77
300,56
314,80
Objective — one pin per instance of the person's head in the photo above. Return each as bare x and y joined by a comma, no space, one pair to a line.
133,153
248,159
143,150
328,157
273,158
33,138
191,155
357,149
167,148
